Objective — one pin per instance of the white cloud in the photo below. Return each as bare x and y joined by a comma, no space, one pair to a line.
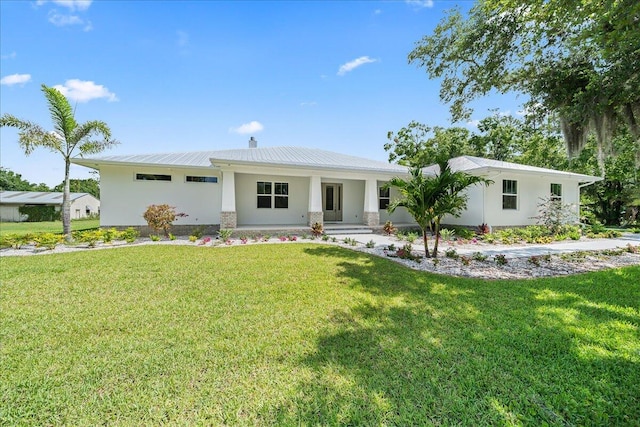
70,4
352,65
377,12
15,79
247,128
11,55
473,123
420,4
84,91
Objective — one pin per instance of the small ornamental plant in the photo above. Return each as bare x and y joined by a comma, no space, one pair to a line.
244,240
205,240
500,259
478,256
370,244
317,229
161,217
484,229
154,237
225,234
465,260
193,238
292,238
388,228
283,238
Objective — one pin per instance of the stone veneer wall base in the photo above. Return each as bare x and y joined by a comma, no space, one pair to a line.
315,217
228,220
371,219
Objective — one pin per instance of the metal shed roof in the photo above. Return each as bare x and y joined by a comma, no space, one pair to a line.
36,197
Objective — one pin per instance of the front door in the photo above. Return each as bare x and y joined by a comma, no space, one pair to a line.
332,202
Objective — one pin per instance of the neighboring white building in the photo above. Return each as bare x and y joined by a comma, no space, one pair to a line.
82,204
294,186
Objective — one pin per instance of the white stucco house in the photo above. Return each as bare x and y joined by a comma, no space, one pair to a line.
82,204
296,186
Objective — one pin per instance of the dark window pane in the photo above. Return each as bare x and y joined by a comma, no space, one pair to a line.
509,202
201,179
383,203
384,192
556,190
328,200
282,188
152,177
281,202
264,187
509,186
264,201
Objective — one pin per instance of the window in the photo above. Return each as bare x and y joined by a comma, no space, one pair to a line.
152,177
509,194
264,195
383,198
281,195
274,194
212,179
556,192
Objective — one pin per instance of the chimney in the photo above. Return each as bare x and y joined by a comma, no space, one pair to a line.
253,143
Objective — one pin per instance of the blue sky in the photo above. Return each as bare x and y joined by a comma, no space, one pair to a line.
202,75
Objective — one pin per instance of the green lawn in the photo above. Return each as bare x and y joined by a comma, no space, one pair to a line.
46,226
305,334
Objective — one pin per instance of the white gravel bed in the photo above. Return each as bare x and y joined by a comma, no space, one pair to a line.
551,265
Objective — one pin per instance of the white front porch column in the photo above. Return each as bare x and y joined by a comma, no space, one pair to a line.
315,201
371,217
228,215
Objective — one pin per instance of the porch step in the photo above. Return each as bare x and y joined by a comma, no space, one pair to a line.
332,230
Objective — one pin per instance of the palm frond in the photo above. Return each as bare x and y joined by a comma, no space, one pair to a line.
61,112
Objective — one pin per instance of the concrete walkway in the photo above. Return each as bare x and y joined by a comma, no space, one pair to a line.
510,251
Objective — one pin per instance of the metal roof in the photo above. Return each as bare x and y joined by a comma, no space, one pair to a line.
273,156
36,197
479,164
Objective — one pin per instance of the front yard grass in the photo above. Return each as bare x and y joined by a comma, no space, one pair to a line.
308,334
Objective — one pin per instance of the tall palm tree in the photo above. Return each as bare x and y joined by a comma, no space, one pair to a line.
69,138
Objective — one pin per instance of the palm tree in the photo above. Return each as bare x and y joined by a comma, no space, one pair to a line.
68,138
417,196
453,200
429,198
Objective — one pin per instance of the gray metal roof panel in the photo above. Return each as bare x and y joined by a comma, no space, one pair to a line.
35,197
471,163
283,156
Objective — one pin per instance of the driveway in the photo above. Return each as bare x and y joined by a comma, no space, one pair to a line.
510,251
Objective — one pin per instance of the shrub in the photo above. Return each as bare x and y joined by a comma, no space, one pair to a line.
500,259
478,256
484,229
411,236
554,214
161,217
325,237
388,228
39,213
172,236
405,253
90,237
535,260
447,234
464,233
154,237
15,241
370,244
317,229
129,235
225,234
48,240
193,238
198,231
451,253
110,234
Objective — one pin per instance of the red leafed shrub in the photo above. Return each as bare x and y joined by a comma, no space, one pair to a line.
161,217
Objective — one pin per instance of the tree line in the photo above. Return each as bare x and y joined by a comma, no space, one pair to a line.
11,181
